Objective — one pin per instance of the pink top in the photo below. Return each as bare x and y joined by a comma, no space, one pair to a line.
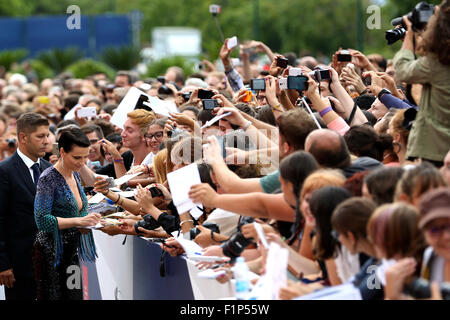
339,125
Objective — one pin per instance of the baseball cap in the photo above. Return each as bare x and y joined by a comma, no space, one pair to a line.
434,205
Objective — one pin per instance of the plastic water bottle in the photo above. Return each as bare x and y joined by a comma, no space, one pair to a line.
241,275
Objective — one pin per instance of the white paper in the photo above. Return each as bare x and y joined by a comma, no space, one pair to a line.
232,42
97,226
190,247
127,194
158,109
196,212
210,274
341,292
215,119
127,105
197,257
125,178
97,198
261,235
268,286
87,112
180,183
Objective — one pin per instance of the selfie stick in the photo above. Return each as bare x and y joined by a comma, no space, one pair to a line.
215,10
311,113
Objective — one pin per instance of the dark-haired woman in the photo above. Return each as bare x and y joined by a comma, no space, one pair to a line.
60,210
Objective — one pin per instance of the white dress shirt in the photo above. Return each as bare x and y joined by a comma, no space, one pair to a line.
28,162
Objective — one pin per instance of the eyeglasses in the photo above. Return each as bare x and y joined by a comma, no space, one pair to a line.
438,230
158,135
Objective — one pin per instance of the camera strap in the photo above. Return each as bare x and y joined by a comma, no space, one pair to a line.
352,115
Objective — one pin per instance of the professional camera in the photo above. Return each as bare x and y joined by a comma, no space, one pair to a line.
233,247
420,289
11,142
209,225
149,223
418,17
174,132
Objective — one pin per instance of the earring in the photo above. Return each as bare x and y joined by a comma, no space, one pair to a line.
398,145
62,163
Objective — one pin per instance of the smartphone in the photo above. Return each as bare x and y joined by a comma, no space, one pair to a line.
294,72
282,83
258,84
299,83
282,62
232,42
87,112
210,104
248,97
205,94
367,81
44,99
156,192
320,75
344,56
55,149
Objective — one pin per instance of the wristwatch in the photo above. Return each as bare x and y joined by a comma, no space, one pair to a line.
249,123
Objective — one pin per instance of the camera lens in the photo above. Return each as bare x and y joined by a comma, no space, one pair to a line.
394,35
149,223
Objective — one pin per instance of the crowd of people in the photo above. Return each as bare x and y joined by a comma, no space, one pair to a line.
346,164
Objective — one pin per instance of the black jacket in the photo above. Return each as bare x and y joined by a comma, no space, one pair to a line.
17,225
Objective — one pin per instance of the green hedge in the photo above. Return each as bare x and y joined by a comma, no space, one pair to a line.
87,67
159,67
8,57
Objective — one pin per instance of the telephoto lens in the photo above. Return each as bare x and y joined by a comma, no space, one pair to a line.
392,36
420,289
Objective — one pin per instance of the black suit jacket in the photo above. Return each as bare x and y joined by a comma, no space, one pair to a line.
17,225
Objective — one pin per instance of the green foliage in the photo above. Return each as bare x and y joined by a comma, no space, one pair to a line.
87,67
9,57
59,59
122,58
159,68
42,70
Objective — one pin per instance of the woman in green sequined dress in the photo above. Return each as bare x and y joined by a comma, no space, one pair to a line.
61,217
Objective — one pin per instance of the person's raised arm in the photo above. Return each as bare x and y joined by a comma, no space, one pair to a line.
257,205
227,179
346,100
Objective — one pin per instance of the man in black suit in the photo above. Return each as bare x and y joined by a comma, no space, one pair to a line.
19,175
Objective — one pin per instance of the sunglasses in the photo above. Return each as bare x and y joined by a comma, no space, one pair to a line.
439,230
157,135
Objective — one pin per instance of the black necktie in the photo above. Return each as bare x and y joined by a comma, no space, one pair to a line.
36,173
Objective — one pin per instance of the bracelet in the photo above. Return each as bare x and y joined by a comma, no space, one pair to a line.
118,160
325,111
181,223
117,200
249,123
277,107
364,92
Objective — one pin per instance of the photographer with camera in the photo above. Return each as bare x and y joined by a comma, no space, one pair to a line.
430,135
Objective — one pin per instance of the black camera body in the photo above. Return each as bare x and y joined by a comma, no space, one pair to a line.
418,17
209,225
186,96
420,289
234,246
149,223
282,62
156,192
205,94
